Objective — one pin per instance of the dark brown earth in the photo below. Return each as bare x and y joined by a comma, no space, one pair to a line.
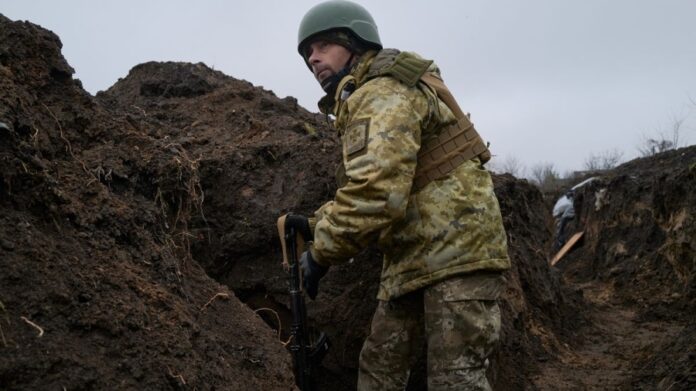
97,287
637,270
138,246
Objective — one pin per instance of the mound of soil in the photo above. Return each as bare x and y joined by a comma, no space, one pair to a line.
97,289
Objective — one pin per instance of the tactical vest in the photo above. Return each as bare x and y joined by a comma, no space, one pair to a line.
455,143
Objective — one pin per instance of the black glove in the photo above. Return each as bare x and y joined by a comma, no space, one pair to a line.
312,272
301,225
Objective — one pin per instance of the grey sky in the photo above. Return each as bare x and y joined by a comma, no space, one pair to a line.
545,80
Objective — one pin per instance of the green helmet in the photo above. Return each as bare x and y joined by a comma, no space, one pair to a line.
339,14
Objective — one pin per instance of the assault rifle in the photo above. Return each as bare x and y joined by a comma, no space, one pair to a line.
306,346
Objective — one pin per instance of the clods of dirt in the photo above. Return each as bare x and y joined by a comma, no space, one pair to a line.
97,287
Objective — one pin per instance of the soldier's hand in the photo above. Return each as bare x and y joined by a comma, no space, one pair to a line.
301,225
312,272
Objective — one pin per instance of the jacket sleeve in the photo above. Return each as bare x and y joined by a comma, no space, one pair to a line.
380,135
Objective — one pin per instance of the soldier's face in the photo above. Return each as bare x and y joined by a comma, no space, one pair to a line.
326,58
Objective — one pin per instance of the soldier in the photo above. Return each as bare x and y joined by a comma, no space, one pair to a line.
411,181
563,212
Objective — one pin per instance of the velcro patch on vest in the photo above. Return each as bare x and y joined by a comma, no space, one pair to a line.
355,137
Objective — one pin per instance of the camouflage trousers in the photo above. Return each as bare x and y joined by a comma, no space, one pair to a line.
458,319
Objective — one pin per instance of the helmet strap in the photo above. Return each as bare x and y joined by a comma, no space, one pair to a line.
330,83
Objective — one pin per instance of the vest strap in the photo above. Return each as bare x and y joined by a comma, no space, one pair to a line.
454,145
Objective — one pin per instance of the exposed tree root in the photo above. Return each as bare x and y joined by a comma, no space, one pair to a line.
34,325
219,294
280,325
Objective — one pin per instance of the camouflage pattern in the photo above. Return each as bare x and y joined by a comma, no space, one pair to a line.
450,227
462,325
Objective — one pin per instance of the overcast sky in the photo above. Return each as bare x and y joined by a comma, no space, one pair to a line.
545,80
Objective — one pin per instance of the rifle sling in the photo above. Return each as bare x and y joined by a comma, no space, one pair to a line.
300,243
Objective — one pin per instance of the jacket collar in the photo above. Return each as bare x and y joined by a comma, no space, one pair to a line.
327,104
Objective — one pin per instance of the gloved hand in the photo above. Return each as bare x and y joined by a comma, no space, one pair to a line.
312,272
301,225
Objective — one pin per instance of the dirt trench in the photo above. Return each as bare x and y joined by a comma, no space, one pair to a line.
614,351
258,173
139,235
636,271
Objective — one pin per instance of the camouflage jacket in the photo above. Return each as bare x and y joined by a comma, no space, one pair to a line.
451,226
